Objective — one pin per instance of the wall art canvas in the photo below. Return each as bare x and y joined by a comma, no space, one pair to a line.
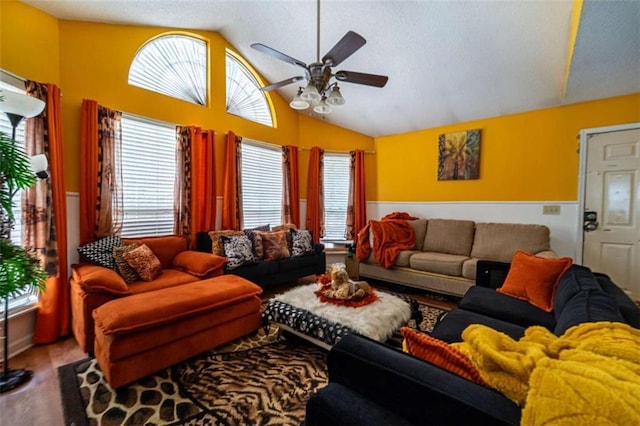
459,155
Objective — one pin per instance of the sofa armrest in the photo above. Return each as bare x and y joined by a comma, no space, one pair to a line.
491,274
318,248
413,388
98,279
199,264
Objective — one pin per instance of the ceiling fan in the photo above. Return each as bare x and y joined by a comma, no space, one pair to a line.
320,87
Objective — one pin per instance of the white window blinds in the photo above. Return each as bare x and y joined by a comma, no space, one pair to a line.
244,97
261,184
148,175
336,195
174,65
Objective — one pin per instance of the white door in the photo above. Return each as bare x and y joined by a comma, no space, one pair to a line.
612,192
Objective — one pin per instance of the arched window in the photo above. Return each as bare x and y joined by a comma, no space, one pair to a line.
174,65
244,97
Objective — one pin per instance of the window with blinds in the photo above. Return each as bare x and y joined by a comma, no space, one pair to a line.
174,65
148,175
261,184
244,97
336,195
25,298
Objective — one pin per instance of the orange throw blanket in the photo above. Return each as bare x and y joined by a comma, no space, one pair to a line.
392,234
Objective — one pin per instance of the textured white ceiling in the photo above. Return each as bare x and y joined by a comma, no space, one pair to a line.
447,61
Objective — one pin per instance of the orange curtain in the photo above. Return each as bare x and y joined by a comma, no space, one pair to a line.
53,306
203,181
290,192
357,205
88,169
315,194
231,196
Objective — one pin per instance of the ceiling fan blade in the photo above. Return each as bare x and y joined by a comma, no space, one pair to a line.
281,83
346,47
279,55
362,78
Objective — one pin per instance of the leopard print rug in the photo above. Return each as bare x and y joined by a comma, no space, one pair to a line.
263,378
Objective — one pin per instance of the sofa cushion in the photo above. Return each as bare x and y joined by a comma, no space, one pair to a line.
576,279
453,324
293,263
487,301
587,306
198,263
420,229
168,278
257,271
403,258
534,279
165,247
100,252
449,236
238,250
144,262
128,274
302,243
275,245
439,263
217,245
500,241
628,309
440,354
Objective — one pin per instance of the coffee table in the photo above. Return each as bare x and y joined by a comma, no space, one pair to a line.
300,312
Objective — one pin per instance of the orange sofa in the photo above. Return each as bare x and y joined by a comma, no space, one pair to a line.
92,286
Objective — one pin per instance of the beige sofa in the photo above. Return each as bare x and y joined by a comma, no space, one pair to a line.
446,252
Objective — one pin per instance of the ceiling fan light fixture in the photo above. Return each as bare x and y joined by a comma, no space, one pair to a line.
298,103
335,97
310,93
322,107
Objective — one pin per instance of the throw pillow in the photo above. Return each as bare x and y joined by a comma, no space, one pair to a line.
144,262
256,242
286,227
197,263
238,251
217,247
439,353
275,245
302,242
100,252
128,274
534,279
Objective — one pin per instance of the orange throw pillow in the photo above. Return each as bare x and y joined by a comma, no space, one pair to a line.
534,279
440,354
145,263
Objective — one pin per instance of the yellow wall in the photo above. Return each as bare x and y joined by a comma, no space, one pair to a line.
530,156
29,45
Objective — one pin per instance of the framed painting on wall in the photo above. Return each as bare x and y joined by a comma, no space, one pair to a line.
459,155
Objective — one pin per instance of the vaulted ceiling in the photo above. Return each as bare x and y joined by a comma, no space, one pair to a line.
447,61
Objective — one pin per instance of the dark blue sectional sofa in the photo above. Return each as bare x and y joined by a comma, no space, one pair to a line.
374,384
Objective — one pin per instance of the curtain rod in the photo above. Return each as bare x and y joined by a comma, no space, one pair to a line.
305,148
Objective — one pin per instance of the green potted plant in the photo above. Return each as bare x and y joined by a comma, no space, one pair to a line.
20,269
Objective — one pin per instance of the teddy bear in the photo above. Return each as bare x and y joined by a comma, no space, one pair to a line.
344,288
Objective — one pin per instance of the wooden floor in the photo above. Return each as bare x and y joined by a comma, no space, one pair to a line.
38,402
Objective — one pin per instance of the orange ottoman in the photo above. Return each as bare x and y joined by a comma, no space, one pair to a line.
140,334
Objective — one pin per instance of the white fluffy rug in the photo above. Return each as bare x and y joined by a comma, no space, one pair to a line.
377,320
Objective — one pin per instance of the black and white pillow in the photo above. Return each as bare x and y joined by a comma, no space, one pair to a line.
100,252
302,243
238,250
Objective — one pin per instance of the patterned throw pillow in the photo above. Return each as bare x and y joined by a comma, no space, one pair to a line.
286,227
122,267
275,245
238,251
216,240
256,241
302,243
100,252
145,263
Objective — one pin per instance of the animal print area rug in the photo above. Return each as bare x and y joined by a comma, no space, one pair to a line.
261,379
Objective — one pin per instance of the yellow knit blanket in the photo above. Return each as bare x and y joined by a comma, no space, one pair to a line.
589,375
